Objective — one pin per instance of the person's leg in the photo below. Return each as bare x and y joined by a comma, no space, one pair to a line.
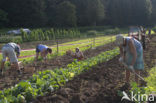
2,65
4,55
136,77
127,76
37,54
16,65
13,58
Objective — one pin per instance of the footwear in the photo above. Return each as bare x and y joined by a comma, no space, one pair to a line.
1,72
19,72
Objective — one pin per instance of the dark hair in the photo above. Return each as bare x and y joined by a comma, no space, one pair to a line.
49,50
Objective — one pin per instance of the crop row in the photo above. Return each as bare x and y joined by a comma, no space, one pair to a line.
50,80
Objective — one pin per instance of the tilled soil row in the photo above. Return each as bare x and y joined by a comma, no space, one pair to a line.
98,85
10,78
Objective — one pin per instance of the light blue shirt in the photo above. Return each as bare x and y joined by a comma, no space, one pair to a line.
41,47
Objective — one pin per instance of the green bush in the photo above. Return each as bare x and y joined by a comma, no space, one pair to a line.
49,34
97,28
7,39
112,31
91,33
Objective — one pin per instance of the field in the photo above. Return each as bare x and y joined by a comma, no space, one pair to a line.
97,79
100,84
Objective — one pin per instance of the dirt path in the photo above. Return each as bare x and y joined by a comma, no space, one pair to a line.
98,85
11,78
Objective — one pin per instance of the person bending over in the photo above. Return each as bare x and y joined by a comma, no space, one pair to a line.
12,51
131,52
43,50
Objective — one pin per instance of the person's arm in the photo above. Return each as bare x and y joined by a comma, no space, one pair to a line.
3,62
122,52
18,54
18,51
133,51
2,65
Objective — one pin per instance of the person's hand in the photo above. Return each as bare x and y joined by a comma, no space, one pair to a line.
44,58
121,59
131,67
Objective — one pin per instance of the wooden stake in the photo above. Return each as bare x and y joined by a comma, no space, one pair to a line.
57,46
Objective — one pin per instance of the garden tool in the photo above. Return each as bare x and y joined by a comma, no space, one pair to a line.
131,68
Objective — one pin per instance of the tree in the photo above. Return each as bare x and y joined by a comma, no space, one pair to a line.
3,18
130,12
28,13
66,14
94,12
69,13
142,11
50,10
153,15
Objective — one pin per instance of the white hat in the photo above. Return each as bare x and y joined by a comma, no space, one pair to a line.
119,39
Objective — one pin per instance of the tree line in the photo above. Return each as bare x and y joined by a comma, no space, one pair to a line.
72,13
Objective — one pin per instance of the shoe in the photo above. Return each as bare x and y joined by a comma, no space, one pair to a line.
19,72
1,72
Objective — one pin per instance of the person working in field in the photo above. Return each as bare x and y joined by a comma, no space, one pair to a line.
43,50
131,52
12,51
78,54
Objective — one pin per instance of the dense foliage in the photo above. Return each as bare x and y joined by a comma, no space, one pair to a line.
70,13
50,34
54,34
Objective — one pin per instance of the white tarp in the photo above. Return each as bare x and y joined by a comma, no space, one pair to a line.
18,31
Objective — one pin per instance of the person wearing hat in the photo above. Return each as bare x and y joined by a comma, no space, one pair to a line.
131,52
78,54
12,51
43,50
